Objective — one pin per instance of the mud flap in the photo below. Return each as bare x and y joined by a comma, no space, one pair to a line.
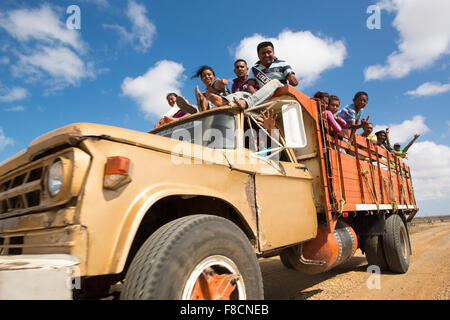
370,225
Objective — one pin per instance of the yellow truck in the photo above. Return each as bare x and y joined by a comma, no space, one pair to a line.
185,210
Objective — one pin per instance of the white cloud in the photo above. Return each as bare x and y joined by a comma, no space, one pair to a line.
142,30
430,169
47,50
308,55
15,109
41,24
62,64
13,94
150,89
430,89
403,132
101,3
424,29
5,141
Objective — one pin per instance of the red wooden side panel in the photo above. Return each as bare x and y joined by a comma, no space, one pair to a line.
360,177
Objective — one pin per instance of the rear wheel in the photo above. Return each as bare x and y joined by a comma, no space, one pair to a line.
373,247
195,257
396,244
284,258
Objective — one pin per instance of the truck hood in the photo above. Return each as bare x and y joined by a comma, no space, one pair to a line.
73,134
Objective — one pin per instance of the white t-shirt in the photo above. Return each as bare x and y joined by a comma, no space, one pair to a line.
172,111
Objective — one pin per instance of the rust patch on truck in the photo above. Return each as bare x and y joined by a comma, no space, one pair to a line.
251,197
77,132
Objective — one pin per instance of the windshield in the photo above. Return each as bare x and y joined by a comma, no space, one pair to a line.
215,131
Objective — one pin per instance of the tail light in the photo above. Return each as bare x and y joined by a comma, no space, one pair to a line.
117,172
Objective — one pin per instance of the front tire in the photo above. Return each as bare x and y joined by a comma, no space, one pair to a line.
195,257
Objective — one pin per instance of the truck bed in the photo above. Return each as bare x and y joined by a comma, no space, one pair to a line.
347,177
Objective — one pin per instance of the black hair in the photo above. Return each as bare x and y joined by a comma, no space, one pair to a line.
171,94
198,73
240,60
264,44
331,97
385,140
320,95
361,93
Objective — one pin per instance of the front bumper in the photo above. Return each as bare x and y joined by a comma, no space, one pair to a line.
43,277
52,232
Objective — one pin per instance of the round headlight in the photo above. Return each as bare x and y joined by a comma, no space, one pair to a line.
55,178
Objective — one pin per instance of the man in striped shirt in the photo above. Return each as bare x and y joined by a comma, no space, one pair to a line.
269,68
268,74
352,113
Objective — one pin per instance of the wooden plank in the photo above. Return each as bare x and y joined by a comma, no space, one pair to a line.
380,179
350,207
400,198
351,170
352,187
342,183
314,111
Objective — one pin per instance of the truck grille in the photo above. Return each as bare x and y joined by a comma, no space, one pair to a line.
11,245
22,191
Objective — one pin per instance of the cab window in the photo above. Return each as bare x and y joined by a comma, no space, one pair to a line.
217,131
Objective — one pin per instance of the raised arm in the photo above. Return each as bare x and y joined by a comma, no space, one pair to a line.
268,119
293,81
220,84
354,126
387,137
268,122
405,149
400,154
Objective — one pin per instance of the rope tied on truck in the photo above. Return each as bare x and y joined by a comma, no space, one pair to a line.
326,150
390,191
372,192
339,175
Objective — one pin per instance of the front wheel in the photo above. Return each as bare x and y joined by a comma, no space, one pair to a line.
199,257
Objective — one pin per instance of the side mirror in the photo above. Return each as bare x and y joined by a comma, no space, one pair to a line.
294,129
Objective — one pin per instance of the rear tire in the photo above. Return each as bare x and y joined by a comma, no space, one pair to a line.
373,247
396,244
170,264
284,258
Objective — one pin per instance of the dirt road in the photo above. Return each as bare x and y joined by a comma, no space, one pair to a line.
428,276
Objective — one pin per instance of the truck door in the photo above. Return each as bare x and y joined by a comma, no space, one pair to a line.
285,208
285,205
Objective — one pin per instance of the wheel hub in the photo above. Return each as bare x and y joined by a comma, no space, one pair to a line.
213,286
215,278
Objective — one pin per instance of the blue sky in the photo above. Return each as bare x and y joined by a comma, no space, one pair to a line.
127,54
